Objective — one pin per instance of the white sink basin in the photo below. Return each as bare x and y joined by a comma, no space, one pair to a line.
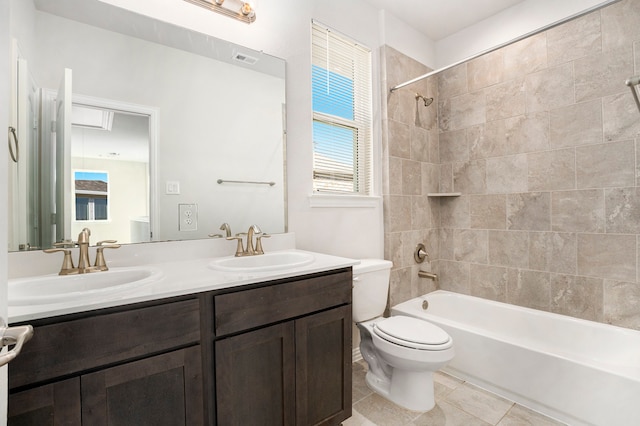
58,288
264,262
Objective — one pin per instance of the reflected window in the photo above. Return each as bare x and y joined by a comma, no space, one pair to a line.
91,195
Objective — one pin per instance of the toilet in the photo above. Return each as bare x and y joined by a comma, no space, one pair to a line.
402,352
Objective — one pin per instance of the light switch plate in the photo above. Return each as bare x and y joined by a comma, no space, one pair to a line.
173,188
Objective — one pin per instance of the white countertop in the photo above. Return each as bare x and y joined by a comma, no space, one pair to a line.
177,278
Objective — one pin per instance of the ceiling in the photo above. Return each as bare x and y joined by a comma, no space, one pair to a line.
438,19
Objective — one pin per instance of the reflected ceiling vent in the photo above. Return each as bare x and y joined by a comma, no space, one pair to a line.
241,57
91,118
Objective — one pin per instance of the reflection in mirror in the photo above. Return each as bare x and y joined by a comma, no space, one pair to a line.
194,112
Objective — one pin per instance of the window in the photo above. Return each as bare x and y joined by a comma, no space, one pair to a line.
341,92
91,195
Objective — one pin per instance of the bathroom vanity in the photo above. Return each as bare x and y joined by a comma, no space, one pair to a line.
270,352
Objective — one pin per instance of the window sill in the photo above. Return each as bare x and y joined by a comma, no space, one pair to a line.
343,201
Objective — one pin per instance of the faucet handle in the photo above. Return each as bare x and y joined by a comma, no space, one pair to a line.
67,261
100,263
65,244
259,238
225,227
239,247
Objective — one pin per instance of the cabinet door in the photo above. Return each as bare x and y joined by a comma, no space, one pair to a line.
255,382
323,367
164,390
55,404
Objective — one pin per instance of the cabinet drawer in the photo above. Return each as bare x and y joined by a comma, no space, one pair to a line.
248,309
65,348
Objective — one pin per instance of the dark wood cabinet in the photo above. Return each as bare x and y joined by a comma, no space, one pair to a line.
287,360
276,353
55,404
164,390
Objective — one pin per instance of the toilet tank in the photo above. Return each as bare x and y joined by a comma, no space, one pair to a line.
370,288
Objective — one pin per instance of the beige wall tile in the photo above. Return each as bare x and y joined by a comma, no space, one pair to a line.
529,211
580,297
550,88
401,106
454,276
488,282
395,169
446,178
607,256
488,211
487,140
453,146
601,74
527,133
485,70
467,110
411,177
621,300
578,211
506,99
531,289
420,212
620,115
399,286
470,177
452,82
622,210
578,124
446,245
455,212
470,245
397,213
606,165
620,24
507,174
430,178
525,57
551,170
399,139
393,248
420,144
553,252
574,39
509,248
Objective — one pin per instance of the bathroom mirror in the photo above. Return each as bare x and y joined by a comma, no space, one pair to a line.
185,131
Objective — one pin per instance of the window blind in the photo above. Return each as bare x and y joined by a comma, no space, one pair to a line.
341,88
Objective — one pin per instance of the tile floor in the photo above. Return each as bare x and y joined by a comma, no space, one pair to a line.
457,404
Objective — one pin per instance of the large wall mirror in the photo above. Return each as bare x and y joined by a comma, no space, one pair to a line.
138,129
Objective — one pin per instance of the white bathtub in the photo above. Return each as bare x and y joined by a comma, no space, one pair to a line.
579,372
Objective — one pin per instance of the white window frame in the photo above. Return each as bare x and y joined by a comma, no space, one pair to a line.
362,124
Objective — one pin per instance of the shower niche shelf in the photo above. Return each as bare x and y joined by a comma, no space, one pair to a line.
444,194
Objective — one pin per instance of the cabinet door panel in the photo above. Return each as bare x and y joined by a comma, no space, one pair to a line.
255,382
56,404
323,367
165,390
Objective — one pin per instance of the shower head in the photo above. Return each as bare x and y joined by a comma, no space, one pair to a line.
427,101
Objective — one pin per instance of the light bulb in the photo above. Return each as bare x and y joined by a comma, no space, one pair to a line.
247,9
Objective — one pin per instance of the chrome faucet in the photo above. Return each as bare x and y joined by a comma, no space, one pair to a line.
84,264
254,230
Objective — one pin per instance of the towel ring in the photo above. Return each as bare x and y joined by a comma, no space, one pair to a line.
15,156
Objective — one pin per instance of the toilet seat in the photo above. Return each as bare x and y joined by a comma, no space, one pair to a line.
413,333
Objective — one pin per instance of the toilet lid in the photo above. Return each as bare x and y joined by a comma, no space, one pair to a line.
412,332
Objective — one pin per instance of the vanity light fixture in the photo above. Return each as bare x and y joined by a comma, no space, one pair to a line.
245,12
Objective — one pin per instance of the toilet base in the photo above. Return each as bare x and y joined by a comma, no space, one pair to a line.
412,390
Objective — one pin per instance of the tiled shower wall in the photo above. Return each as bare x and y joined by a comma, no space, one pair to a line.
410,171
540,138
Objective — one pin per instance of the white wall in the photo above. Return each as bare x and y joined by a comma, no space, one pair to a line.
505,26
